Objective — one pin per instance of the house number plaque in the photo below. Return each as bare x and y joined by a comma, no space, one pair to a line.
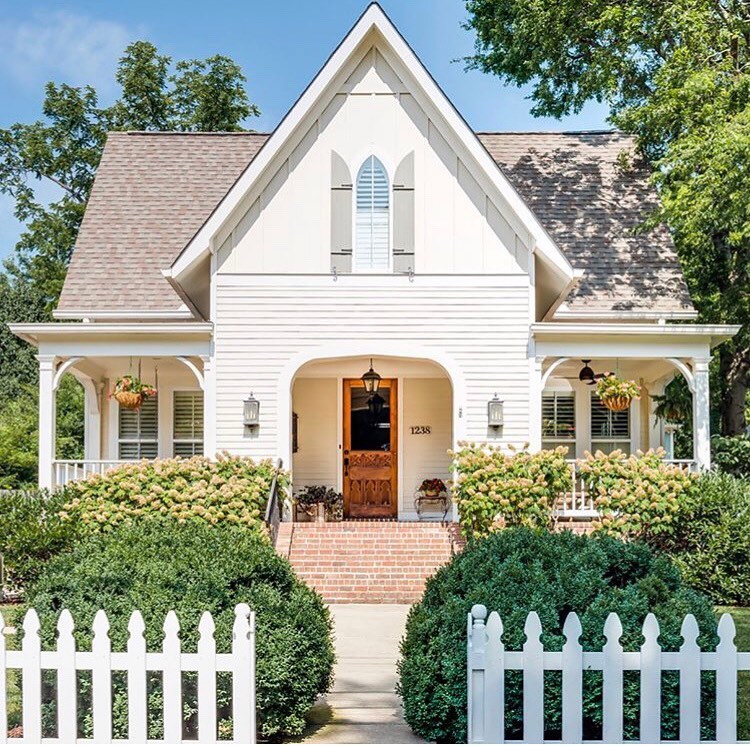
421,429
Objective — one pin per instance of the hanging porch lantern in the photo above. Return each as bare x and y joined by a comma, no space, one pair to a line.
371,381
495,414
251,411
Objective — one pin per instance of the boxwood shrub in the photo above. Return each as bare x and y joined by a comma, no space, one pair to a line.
519,570
158,565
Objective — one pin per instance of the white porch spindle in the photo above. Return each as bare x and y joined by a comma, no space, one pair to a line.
47,415
701,414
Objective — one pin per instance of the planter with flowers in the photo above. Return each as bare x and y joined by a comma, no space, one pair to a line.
617,393
130,392
320,503
432,487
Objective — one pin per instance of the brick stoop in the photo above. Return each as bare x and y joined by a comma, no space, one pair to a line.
366,561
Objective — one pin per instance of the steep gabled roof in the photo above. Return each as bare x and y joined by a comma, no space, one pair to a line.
153,191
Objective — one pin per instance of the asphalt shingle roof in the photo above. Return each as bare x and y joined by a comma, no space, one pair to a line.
153,191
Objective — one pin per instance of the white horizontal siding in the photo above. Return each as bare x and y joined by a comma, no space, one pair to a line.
260,328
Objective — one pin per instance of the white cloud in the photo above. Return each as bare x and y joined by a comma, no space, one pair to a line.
63,47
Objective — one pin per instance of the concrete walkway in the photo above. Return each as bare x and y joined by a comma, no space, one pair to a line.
363,706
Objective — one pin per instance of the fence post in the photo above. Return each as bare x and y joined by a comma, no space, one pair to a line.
101,674
486,701
726,682
67,687
207,680
572,681
650,724
31,688
137,694
690,682
243,675
172,681
533,680
3,684
612,715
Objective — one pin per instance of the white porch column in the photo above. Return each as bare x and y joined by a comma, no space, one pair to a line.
535,404
701,414
47,414
92,445
209,406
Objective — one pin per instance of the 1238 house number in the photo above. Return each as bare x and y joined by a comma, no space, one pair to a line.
421,429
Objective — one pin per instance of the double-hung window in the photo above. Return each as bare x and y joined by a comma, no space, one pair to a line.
610,430
559,421
187,425
373,222
138,431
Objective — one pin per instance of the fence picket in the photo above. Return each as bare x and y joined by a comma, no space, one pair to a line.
690,681
207,680
243,675
137,680
494,691
31,687
572,681
612,716
3,684
67,684
533,681
172,681
650,724
101,674
726,682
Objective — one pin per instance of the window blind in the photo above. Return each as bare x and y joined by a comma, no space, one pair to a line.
372,244
609,430
187,425
559,420
138,431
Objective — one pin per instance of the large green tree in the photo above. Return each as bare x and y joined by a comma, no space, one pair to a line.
675,73
63,148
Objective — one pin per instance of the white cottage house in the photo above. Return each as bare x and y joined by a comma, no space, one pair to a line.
371,228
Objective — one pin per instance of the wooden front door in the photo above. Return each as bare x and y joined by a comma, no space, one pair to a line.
370,451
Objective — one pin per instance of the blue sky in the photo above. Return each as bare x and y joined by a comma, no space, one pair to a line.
280,46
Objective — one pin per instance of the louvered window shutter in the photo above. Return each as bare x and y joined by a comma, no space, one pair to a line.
372,246
341,215
403,216
609,430
187,430
138,431
559,421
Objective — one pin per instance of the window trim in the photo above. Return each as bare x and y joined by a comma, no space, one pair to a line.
378,271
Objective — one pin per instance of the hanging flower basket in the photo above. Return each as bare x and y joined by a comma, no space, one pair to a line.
616,394
130,392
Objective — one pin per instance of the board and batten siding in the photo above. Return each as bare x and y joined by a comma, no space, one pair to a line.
260,327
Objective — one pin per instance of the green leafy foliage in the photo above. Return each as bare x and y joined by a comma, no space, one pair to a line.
518,571
157,566
731,455
230,490
711,542
32,533
638,496
495,488
676,74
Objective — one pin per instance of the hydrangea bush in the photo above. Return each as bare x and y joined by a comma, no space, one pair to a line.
231,490
496,488
637,496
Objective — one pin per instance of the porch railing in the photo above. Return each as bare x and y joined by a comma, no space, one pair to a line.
579,502
272,515
73,470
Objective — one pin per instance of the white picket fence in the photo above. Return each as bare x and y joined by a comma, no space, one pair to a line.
101,661
488,660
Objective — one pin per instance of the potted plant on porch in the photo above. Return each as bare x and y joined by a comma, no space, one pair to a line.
129,391
617,393
321,503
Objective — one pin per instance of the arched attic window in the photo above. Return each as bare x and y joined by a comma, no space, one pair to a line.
373,222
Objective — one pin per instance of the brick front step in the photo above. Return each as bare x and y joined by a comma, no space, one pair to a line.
366,561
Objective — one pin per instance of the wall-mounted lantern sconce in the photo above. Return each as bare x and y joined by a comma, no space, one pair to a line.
495,412
251,411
